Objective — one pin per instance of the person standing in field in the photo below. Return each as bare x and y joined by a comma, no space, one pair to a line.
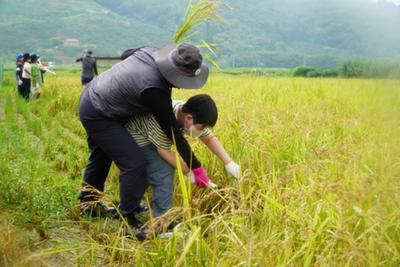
26,76
142,83
36,79
89,67
195,117
18,73
44,68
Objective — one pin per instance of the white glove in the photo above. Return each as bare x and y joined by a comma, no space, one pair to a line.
19,82
233,169
191,177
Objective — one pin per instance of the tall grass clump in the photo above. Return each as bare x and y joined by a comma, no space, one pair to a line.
196,15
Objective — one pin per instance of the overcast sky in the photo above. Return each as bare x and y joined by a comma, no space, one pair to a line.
397,2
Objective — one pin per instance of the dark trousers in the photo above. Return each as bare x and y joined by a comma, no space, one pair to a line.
109,141
26,88
20,90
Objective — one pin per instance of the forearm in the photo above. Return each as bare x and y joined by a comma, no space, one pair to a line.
171,158
216,147
44,69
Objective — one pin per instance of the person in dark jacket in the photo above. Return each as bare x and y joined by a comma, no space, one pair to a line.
89,67
18,73
142,83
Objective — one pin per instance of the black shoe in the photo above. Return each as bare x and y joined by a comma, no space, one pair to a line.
141,209
136,228
96,209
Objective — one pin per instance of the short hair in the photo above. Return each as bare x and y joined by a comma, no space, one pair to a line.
203,109
34,57
26,56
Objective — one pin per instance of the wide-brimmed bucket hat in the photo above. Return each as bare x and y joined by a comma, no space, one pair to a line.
182,65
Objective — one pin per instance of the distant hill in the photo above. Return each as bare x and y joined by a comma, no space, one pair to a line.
268,33
60,30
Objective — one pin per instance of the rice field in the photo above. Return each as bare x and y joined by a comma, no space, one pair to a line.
320,184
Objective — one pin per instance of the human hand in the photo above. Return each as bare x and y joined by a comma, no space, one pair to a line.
192,179
233,169
200,177
19,82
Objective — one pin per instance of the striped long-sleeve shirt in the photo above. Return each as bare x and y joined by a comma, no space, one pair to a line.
145,129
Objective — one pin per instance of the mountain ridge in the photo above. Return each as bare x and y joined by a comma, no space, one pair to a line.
268,33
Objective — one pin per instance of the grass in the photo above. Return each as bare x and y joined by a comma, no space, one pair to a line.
256,72
320,185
